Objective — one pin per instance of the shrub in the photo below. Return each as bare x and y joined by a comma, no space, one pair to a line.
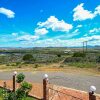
58,55
26,86
36,66
20,94
79,54
23,91
61,66
11,96
28,58
20,77
18,63
73,59
99,68
98,59
8,64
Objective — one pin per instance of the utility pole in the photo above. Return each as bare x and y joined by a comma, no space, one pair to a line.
86,45
83,47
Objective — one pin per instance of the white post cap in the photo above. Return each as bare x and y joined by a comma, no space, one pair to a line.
15,72
92,88
46,76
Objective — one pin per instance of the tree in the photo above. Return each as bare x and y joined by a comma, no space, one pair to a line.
28,58
22,92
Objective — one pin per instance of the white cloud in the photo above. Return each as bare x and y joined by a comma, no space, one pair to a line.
27,38
41,31
52,42
92,40
76,31
78,26
56,25
81,14
14,34
95,30
7,12
68,35
97,10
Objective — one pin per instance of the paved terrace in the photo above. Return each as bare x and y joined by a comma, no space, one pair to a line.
55,92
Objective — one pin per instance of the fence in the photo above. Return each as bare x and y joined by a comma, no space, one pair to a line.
56,94
48,91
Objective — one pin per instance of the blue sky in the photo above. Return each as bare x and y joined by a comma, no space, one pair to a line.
42,23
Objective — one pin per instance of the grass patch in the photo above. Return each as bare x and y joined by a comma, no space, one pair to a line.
83,65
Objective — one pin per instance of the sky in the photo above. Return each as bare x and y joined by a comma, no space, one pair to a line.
49,23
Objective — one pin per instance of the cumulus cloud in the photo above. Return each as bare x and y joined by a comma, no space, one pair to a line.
97,10
92,40
41,31
81,14
7,12
14,34
78,26
27,38
53,23
95,30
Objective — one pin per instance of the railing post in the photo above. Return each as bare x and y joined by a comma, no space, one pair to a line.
14,81
45,82
91,93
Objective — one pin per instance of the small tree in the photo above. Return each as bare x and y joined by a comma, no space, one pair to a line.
20,77
58,55
26,86
23,91
28,58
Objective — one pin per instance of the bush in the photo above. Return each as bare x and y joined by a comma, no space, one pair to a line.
58,55
79,54
73,59
26,86
28,58
20,94
61,66
98,59
99,68
36,65
11,96
23,91
18,63
20,77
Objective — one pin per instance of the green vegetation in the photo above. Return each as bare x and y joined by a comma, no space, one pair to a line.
83,64
20,94
4,94
79,54
28,58
20,77
34,57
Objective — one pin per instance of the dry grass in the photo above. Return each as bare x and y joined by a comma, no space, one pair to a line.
52,67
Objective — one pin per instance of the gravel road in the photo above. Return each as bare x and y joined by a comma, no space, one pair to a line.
76,81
